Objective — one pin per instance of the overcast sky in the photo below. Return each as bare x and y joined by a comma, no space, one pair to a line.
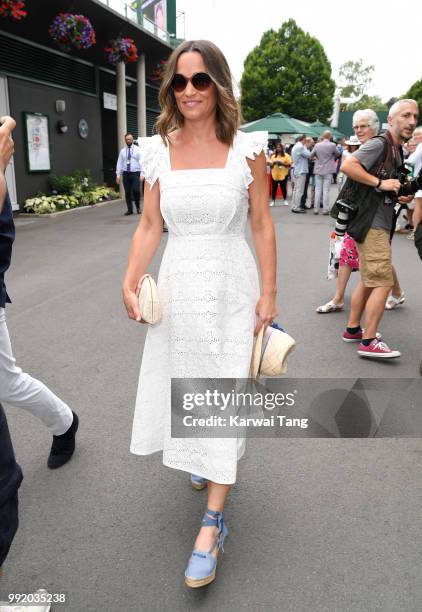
374,30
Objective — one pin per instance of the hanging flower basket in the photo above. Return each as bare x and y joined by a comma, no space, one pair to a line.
70,30
13,9
121,50
157,74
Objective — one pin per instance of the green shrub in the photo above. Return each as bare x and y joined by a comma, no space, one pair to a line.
62,184
83,180
80,181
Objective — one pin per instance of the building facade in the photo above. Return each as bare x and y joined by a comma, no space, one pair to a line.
71,95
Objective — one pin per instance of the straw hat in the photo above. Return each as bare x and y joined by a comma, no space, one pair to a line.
353,141
270,352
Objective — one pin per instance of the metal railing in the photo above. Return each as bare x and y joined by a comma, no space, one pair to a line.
126,9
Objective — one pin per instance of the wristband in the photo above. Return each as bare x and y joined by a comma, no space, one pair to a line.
377,188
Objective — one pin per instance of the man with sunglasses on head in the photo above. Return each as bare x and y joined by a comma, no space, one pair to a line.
375,169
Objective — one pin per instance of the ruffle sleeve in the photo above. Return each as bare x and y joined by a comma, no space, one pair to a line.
250,145
151,154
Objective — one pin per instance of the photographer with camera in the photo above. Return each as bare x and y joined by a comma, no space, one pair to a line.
366,124
376,175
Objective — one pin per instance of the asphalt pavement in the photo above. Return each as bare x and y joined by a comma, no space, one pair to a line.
316,525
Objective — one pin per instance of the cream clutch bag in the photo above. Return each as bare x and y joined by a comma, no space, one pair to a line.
149,303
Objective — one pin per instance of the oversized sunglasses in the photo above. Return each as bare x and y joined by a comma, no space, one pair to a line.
201,81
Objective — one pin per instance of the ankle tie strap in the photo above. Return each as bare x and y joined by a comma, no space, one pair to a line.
212,518
215,520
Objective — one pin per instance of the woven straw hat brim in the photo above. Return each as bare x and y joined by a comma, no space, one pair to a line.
273,361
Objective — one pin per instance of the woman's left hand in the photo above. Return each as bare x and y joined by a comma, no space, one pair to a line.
266,310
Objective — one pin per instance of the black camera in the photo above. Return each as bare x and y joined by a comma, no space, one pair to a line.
407,187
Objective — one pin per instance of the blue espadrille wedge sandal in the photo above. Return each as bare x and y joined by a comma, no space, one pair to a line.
198,482
202,565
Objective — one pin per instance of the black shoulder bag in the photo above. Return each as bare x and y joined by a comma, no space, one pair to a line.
418,239
354,193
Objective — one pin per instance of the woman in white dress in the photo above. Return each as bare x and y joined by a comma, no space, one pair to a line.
202,174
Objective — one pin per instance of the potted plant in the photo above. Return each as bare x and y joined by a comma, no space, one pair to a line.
70,30
157,74
121,49
13,9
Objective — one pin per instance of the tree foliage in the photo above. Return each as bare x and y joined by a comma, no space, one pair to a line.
391,101
354,78
366,101
415,93
287,72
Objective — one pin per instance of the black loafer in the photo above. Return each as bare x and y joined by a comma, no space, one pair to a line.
63,446
128,213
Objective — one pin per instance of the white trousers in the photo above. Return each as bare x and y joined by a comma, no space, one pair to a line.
323,184
299,189
21,390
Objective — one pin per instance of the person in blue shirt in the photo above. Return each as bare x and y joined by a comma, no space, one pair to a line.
300,157
129,169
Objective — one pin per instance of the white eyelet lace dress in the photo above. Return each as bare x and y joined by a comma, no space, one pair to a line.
208,287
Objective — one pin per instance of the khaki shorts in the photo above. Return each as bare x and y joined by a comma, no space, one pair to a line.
376,269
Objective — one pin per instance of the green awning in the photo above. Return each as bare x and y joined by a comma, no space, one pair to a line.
279,123
321,127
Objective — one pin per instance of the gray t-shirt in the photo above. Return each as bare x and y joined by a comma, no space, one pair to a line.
371,155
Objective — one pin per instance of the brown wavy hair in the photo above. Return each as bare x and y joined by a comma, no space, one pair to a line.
227,111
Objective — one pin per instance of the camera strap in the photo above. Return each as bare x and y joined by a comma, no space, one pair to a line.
391,149
397,160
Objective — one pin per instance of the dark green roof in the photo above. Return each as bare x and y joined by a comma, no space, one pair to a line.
322,127
279,123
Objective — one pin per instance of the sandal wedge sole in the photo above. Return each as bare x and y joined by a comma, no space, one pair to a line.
194,584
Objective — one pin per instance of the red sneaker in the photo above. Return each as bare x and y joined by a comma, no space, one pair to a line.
357,337
377,349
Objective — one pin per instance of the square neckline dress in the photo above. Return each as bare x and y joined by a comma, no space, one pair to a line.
208,286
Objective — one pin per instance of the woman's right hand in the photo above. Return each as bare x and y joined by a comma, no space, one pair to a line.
131,303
